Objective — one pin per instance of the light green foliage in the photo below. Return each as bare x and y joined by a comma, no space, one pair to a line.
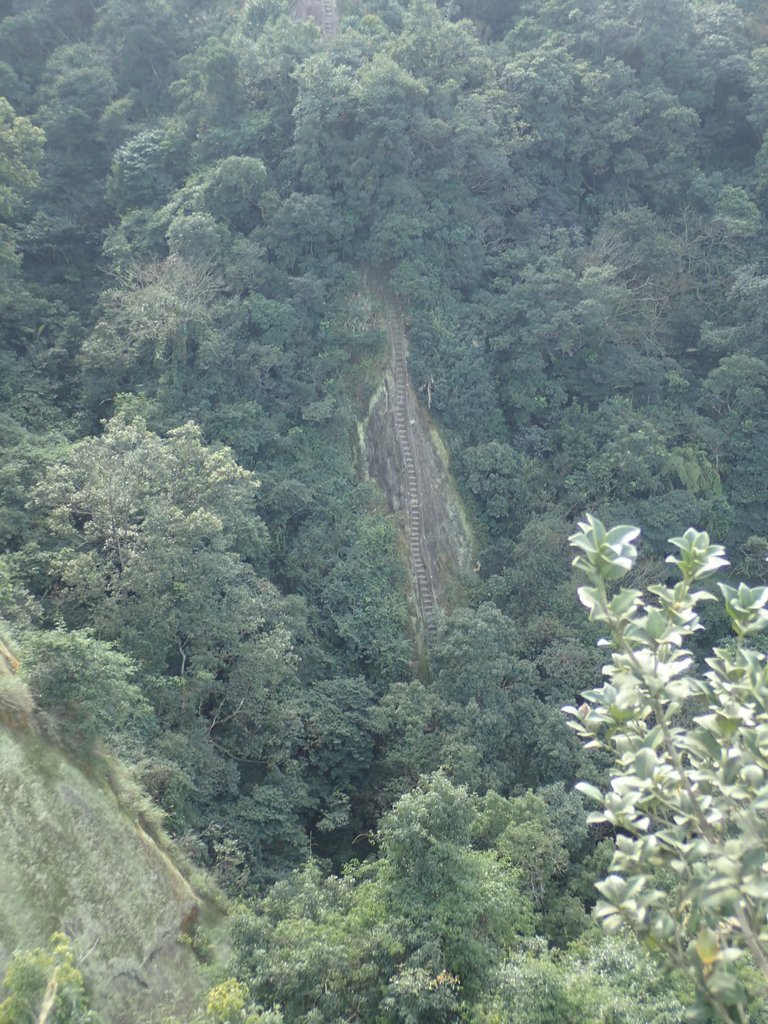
229,1003
154,534
45,985
226,1002
21,151
86,684
601,979
21,145
137,514
689,749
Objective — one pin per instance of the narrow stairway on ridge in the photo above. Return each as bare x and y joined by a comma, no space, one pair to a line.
323,12
329,17
421,571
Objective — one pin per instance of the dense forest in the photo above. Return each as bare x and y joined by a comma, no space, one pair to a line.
199,200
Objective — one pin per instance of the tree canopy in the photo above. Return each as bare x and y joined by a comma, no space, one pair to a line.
200,202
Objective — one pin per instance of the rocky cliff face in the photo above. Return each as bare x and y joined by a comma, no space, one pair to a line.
402,451
72,860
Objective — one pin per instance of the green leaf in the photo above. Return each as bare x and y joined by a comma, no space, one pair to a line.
624,602
707,946
589,790
621,536
702,741
646,762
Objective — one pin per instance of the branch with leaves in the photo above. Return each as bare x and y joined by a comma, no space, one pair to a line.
689,788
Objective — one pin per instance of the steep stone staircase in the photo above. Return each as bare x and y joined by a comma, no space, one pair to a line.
404,413
329,17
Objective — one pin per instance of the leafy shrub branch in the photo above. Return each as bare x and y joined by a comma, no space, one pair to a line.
689,783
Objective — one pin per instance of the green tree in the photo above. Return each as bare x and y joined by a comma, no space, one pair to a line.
160,317
365,595
408,939
158,538
600,979
458,908
87,686
21,147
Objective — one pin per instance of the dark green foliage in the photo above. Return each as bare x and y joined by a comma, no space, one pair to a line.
365,597
410,939
568,201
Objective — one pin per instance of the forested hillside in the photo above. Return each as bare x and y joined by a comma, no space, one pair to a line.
200,202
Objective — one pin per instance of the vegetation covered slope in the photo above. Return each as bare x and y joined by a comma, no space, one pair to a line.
73,860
